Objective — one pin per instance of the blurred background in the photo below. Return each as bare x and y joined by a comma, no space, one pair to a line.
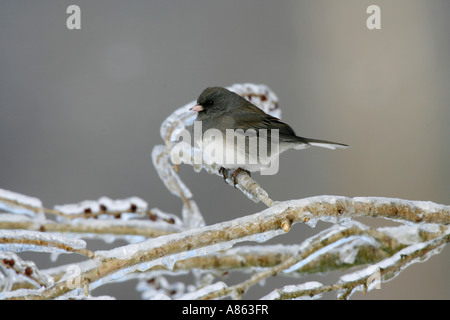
80,110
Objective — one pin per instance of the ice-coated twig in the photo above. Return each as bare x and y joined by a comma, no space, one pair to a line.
158,286
388,268
100,218
26,270
167,173
339,208
310,289
18,203
238,290
91,228
249,187
328,248
103,207
133,208
204,292
367,278
25,240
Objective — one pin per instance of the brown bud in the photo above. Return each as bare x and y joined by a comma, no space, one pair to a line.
28,271
286,225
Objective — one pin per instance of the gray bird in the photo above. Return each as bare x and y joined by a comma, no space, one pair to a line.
221,109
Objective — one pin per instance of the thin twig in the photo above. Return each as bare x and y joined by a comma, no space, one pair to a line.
44,244
143,228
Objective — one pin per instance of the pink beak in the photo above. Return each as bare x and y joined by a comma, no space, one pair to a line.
197,108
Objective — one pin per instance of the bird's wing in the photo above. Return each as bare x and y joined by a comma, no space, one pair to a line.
251,117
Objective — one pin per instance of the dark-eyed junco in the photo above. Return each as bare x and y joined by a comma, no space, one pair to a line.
227,113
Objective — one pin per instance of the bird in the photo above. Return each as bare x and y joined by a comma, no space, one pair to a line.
222,110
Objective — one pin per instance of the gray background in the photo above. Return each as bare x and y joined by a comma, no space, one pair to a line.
80,110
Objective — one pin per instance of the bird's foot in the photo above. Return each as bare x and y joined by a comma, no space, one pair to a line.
224,173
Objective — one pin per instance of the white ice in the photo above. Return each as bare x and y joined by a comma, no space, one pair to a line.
204,291
35,277
19,199
36,236
274,295
108,203
167,173
396,258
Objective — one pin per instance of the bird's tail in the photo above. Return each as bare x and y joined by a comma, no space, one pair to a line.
324,143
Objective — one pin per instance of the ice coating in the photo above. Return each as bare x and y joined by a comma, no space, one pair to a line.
426,206
21,293
103,204
23,269
25,240
409,234
204,291
191,215
395,263
159,288
322,251
13,202
276,294
42,236
167,173
126,252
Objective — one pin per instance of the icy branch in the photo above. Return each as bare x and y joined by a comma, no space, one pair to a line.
19,203
23,240
27,270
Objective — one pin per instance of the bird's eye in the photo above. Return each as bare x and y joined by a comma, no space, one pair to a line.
210,102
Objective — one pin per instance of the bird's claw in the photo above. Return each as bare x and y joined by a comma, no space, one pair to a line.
223,171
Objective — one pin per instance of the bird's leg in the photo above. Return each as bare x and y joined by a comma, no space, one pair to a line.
222,171
235,174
